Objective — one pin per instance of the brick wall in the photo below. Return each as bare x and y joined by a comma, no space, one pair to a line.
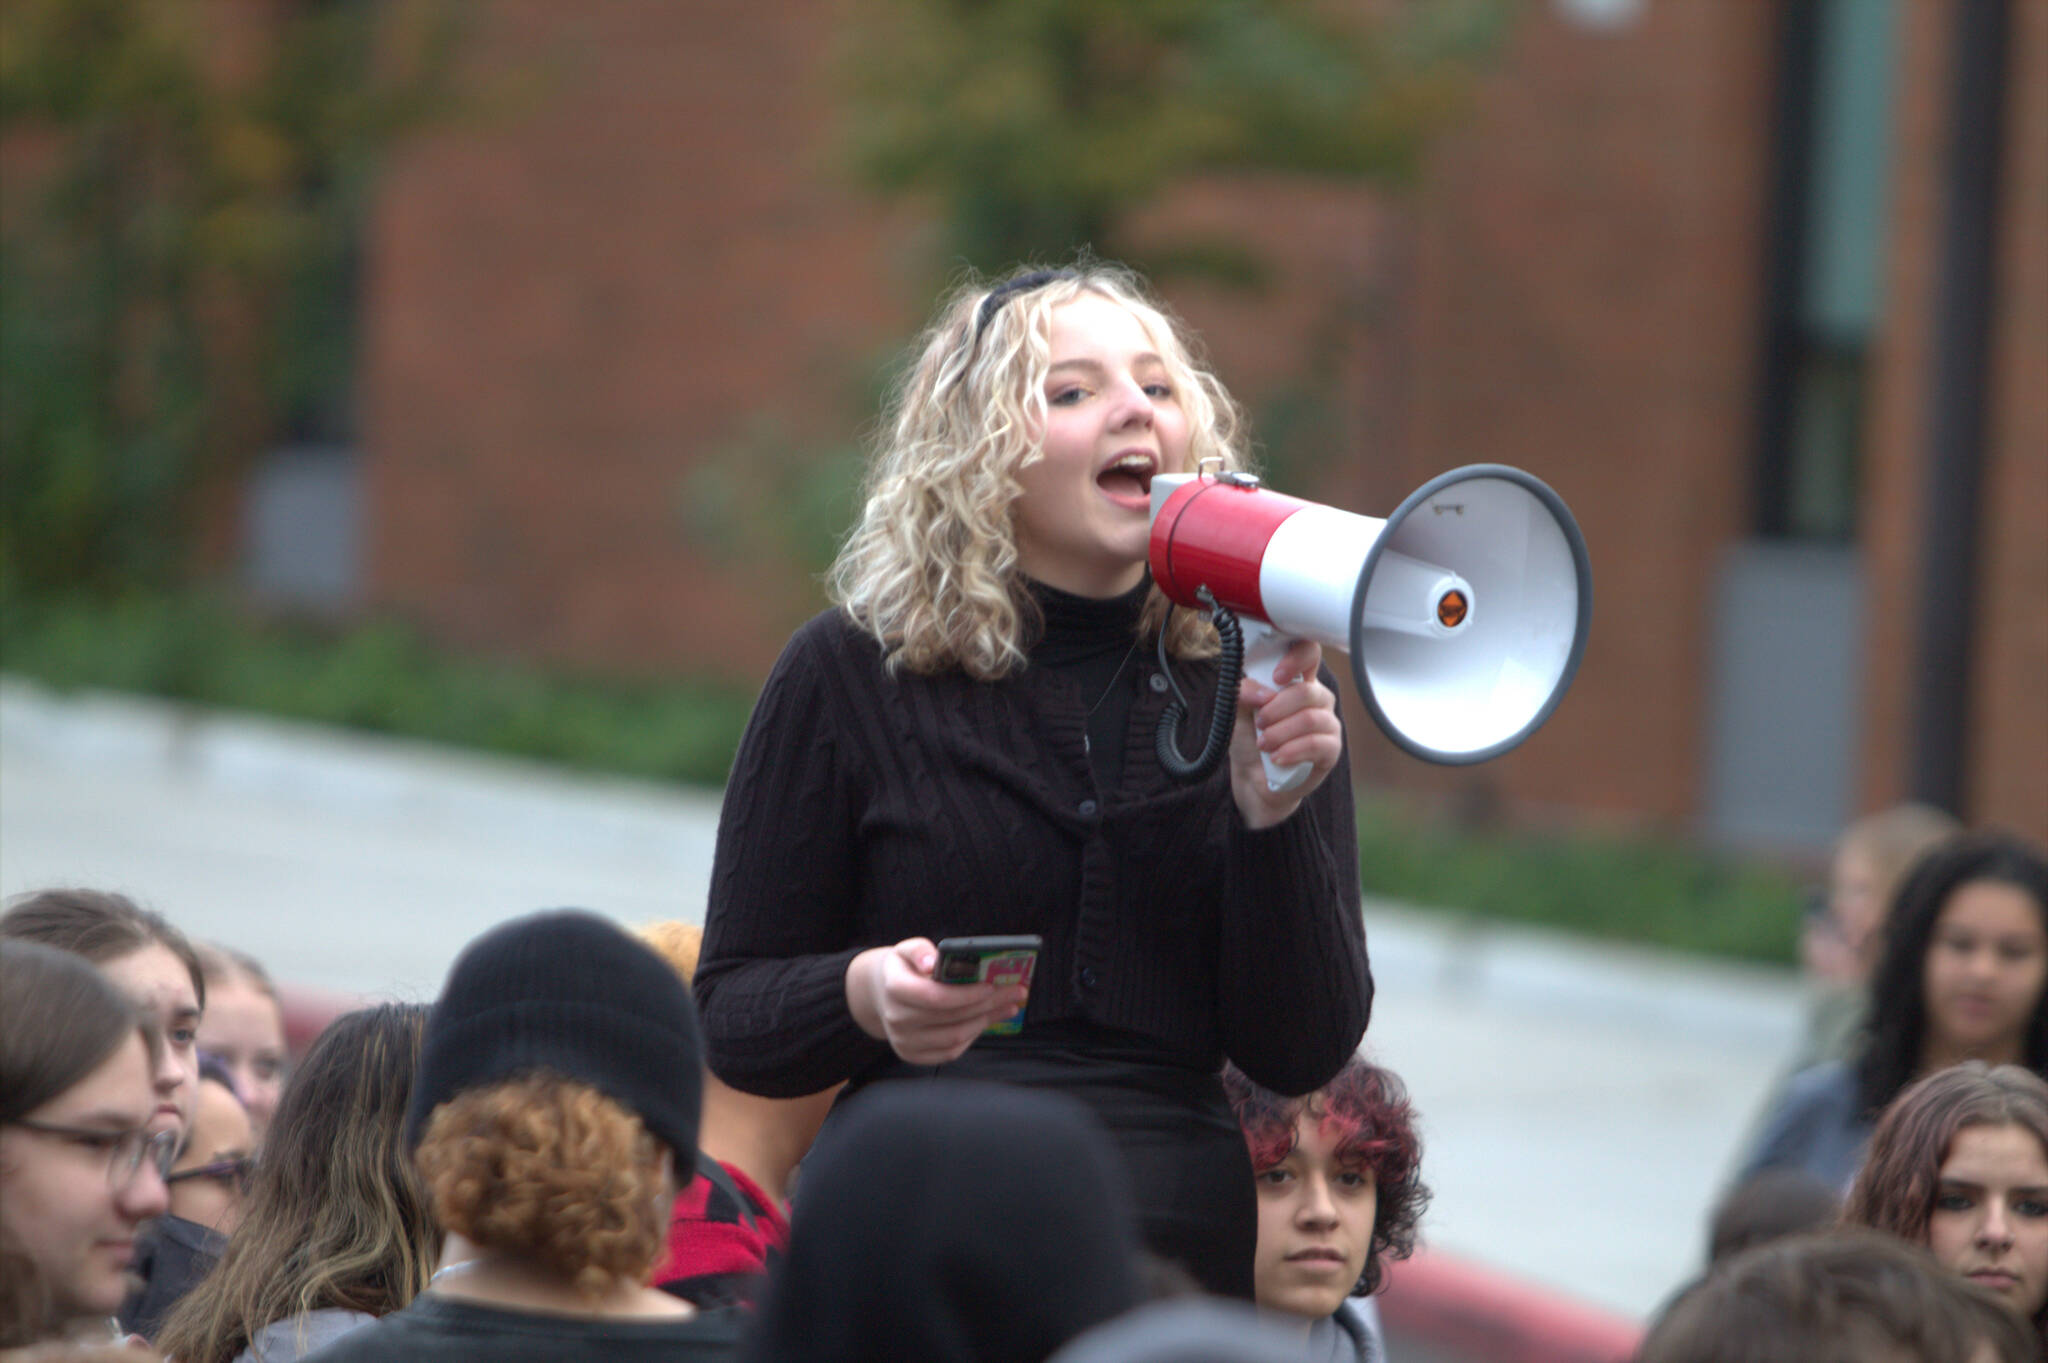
633,252
1586,309
642,248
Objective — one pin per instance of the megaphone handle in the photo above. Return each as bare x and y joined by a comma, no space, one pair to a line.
1264,647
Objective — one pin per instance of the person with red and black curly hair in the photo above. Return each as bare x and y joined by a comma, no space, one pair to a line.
1340,1191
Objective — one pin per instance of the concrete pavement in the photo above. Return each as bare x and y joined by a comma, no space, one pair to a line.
344,862
1580,1103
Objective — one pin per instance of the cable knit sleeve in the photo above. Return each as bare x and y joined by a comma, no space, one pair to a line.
1295,988
780,927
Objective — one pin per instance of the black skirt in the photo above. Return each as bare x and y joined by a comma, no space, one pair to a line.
1190,1174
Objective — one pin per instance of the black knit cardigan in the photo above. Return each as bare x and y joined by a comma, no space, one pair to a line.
866,808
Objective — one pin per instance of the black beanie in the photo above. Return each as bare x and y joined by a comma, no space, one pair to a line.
569,993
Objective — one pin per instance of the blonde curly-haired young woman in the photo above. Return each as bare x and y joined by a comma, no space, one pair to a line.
964,746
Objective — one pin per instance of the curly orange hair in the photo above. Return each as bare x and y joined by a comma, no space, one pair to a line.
552,1170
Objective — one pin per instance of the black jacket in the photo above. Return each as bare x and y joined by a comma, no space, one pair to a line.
171,1256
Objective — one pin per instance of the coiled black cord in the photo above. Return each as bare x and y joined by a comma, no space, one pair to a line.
1229,675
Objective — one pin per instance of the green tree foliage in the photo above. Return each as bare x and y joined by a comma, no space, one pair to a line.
1039,125
184,185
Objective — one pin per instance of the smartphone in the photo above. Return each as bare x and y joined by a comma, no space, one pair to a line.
999,960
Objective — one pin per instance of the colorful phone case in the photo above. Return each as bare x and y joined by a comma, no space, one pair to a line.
1008,967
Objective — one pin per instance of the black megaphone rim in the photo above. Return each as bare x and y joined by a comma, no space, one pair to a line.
1582,571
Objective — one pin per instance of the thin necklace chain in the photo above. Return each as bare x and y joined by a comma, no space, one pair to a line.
1114,678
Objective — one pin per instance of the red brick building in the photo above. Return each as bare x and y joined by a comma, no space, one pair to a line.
1705,268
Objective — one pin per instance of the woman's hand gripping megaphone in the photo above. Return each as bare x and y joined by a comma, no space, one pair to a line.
1288,737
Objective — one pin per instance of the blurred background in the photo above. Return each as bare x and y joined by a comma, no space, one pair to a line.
497,373
549,334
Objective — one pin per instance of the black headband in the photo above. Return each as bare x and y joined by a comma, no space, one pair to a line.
1009,288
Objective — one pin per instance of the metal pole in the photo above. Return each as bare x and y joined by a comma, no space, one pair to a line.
1957,405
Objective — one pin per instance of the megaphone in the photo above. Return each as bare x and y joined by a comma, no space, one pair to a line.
1464,613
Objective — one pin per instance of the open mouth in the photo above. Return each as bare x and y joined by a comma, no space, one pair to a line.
1129,478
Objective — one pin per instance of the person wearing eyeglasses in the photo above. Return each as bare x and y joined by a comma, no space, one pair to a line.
207,1181
156,968
80,1172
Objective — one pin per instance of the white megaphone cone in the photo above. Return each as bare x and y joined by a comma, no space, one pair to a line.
1464,613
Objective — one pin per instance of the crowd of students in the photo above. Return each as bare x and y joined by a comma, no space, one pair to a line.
541,1166
794,1139
532,1169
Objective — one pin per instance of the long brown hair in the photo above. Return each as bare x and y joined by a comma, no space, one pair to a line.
1896,1188
335,1216
60,1020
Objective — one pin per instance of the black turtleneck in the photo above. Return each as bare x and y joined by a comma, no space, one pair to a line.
1094,644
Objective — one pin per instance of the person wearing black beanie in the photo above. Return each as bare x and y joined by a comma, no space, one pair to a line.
554,1113
573,994
963,1223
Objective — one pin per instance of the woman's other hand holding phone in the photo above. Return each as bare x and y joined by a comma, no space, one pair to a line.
893,997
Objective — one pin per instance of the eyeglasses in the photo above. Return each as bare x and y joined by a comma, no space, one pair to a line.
234,1171
125,1150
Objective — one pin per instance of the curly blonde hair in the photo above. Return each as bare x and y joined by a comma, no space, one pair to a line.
931,570
677,943
552,1170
